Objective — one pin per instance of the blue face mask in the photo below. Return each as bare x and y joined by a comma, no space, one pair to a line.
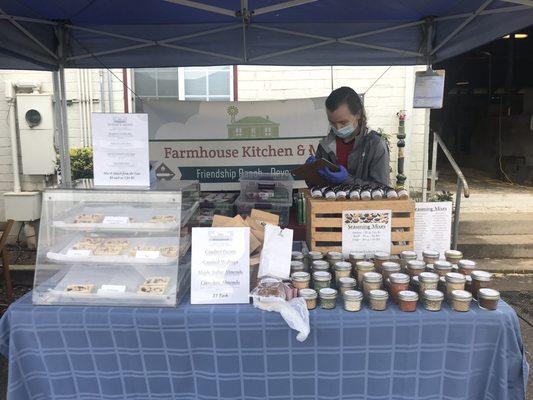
344,132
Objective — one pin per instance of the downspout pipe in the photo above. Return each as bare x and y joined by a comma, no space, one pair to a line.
11,101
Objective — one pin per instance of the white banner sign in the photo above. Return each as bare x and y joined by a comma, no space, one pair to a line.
120,149
366,231
433,226
429,89
215,142
220,265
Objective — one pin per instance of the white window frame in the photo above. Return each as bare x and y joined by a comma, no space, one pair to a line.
181,82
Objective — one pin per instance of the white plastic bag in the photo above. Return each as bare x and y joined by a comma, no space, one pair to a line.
276,253
268,296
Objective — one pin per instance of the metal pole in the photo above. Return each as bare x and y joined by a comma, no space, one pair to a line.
456,213
61,111
434,165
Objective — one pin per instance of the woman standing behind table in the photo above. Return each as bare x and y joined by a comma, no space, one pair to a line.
361,154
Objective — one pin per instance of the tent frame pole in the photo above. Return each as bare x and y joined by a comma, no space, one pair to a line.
61,110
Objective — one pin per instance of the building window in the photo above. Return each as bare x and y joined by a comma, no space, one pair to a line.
184,83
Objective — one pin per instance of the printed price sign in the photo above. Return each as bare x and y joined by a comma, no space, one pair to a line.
220,265
366,231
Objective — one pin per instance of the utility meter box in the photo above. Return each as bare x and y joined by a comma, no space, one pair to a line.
22,206
35,114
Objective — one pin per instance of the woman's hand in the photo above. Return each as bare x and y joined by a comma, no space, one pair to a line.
310,160
334,177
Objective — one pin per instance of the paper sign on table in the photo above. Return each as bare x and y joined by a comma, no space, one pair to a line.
78,253
366,231
116,220
433,226
147,254
220,265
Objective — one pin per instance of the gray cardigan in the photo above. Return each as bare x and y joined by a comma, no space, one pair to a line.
368,162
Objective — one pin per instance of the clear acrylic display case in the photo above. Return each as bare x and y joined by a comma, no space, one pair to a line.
115,246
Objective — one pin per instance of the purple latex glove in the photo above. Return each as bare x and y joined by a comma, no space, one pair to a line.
334,177
310,160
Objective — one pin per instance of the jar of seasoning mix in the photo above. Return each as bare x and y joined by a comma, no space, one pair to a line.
343,269
406,256
432,300
300,280
488,298
371,281
454,281
466,266
378,300
480,279
460,300
321,279
415,267
346,283
398,282
333,257
430,256
328,298
407,300
355,257
310,297
428,281
320,265
297,256
362,267
315,255
352,300
389,267
297,266
442,267
379,258
453,256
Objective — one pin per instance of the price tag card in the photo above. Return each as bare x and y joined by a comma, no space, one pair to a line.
116,220
78,253
147,254
366,231
220,265
111,289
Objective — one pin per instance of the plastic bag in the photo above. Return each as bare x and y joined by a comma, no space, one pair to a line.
276,253
270,295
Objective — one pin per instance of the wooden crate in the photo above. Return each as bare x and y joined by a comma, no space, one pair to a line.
324,222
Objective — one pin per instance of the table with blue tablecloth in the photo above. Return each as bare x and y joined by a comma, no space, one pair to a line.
231,352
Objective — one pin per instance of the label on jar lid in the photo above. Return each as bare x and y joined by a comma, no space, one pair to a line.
433,294
467,263
461,295
307,293
481,275
347,281
408,295
343,265
455,277
377,293
321,275
441,264
488,293
372,277
329,292
428,276
398,277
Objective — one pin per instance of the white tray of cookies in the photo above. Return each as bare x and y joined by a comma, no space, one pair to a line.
117,250
128,217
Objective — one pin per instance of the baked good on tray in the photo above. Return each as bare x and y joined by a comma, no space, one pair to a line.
133,252
157,281
154,290
80,288
169,251
89,218
87,243
163,219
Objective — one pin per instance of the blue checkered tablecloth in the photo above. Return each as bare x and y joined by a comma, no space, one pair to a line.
231,352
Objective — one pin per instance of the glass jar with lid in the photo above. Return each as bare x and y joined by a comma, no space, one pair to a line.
480,279
379,258
371,281
453,256
315,255
342,269
407,300
362,267
346,283
460,300
442,267
406,256
378,299
428,281
430,256
320,265
355,257
352,300
297,266
466,266
328,298
297,256
300,280
321,279
389,267
398,282
415,267
488,298
454,281
333,257
432,300
310,297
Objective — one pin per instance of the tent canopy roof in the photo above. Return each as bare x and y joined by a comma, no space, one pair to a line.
38,34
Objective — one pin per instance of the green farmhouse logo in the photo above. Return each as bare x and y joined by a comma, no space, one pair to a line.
251,127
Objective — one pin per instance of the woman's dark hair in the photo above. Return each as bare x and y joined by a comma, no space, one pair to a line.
348,96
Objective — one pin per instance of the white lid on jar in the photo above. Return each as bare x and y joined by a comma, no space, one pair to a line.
408,255
346,281
408,295
364,265
430,253
433,295
398,277
416,264
479,275
357,255
467,264
488,294
300,276
343,265
442,264
307,293
461,295
322,276
297,264
327,293
453,254
428,277
381,255
334,255
391,266
455,277
315,255
372,277
378,294
320,265
353,295
298,255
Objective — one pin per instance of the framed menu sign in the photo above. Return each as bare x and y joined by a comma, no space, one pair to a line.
366,231
120,146
220,265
